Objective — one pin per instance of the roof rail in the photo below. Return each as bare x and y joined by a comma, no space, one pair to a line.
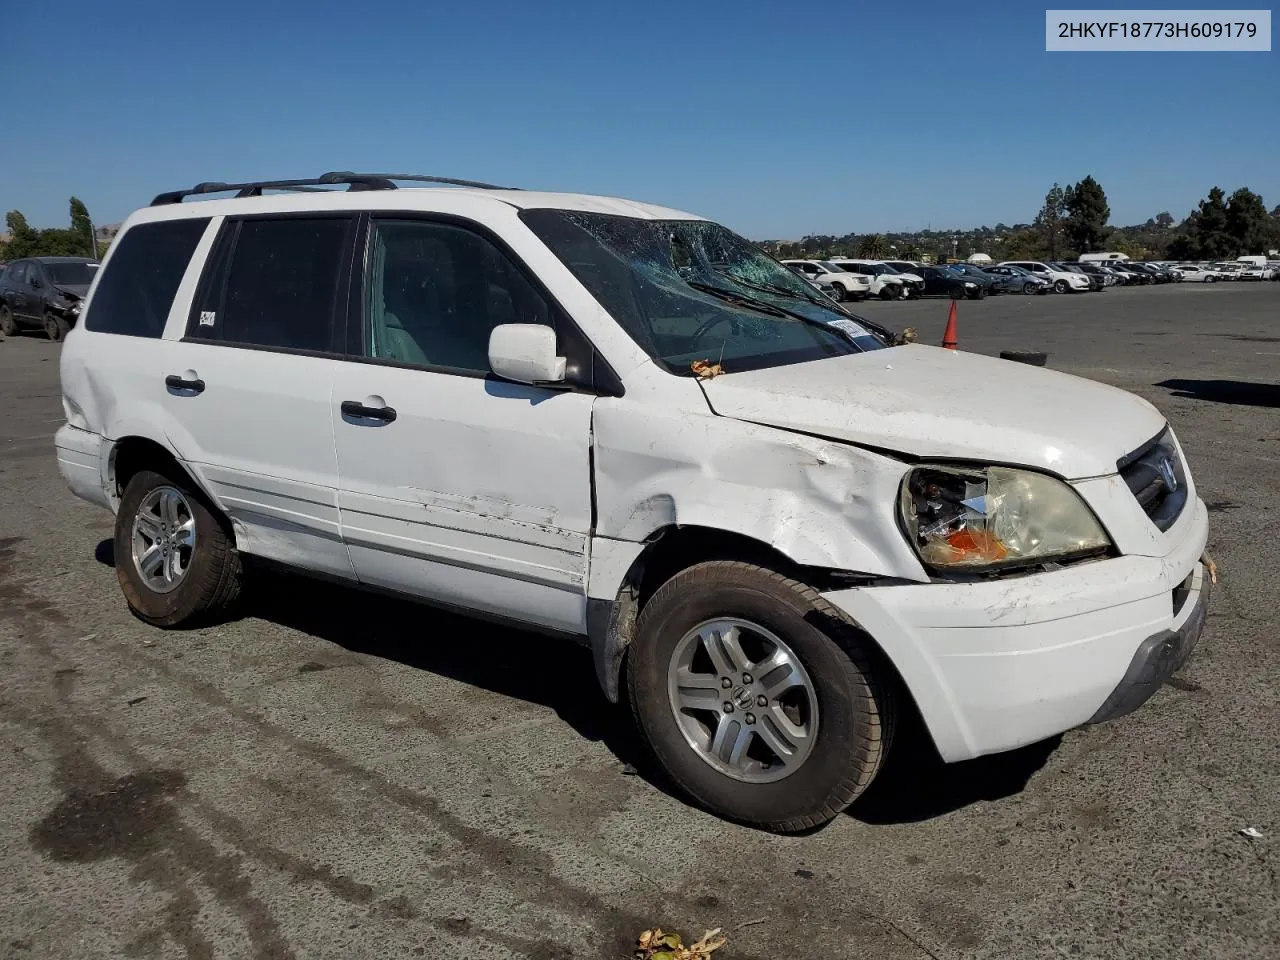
354,181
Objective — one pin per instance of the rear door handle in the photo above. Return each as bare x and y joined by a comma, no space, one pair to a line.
354,408
176,382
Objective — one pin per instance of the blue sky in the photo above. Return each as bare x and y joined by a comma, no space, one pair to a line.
777,119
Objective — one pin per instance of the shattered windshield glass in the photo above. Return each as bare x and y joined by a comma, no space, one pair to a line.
691,290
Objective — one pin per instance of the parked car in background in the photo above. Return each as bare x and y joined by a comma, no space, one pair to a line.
992,283
45,293
1131,274
1195,273
1228,270
886,282
1092,269
1095,282
1064,281
839,283
1157,273
1020,281
941,282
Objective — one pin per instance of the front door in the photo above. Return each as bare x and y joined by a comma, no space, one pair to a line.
454,485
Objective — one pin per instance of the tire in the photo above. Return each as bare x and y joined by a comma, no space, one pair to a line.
851,693
1037,358
839,294
7,325
980,293
209,584
1210,279
1029,288
887,292
55,327
957,293
1060,286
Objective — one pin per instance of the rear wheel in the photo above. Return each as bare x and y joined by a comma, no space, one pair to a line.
7,325
761,702
176,563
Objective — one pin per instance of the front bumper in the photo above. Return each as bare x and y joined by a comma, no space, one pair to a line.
994,665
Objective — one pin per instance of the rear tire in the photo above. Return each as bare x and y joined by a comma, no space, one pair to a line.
7,325
208,584
846,697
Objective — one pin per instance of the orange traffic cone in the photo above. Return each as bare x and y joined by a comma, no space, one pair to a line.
949,335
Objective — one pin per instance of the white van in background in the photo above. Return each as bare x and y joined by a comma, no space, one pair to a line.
1102,257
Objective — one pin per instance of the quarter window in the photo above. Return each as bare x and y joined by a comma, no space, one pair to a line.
435,292
136,290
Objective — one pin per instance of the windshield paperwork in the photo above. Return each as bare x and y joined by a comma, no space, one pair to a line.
691,290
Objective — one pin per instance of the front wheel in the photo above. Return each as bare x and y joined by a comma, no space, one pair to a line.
1210,279
887,292
7,325
839,293
176,563
760,701
1060,286
1029,288
55,328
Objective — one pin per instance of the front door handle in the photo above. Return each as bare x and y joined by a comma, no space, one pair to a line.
354,408
189,383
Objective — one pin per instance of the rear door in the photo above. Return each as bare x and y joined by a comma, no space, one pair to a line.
250,384
22,292
456,485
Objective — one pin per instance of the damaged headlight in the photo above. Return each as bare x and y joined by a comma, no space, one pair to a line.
977,517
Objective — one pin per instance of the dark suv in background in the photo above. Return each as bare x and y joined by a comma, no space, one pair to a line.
44,292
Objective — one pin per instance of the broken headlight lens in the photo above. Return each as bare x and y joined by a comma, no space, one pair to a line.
975,517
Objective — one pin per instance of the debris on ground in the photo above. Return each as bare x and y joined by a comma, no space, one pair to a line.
705,369
1213,569
658,945
1253,833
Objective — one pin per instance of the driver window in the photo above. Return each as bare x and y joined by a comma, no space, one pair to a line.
435,291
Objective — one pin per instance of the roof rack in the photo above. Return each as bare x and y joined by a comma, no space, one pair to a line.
354,181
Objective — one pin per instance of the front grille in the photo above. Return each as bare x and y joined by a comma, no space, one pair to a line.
1155,475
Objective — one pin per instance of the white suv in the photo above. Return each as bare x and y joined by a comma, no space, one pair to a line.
611,420
1064,281
844,285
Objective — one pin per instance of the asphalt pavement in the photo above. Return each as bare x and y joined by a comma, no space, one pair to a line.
339,775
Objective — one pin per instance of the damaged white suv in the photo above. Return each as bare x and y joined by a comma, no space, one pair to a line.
774,527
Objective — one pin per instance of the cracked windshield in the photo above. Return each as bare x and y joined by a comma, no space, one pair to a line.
692,291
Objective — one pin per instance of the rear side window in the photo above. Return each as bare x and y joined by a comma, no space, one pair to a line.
275,283
136,290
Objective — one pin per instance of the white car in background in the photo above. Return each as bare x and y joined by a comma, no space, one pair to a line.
1064,281
844,285
1227,270
886,282
1198,273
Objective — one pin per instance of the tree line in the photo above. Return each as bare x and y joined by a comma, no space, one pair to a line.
1072,220
78,240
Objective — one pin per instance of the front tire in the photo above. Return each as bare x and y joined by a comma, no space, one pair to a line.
7,325
888,293
1060,286
1029,288
176,562
839,294
55,328
759,700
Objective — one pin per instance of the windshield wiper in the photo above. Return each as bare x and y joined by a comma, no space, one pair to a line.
817,301
765,307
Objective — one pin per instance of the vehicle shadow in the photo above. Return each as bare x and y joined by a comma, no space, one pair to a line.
552,671
916,785
1239,392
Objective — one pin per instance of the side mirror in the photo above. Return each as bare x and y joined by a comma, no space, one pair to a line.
525,353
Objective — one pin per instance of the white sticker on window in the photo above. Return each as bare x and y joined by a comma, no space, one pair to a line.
849,327
207,317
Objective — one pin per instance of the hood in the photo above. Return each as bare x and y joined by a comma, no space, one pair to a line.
75,289
928,402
